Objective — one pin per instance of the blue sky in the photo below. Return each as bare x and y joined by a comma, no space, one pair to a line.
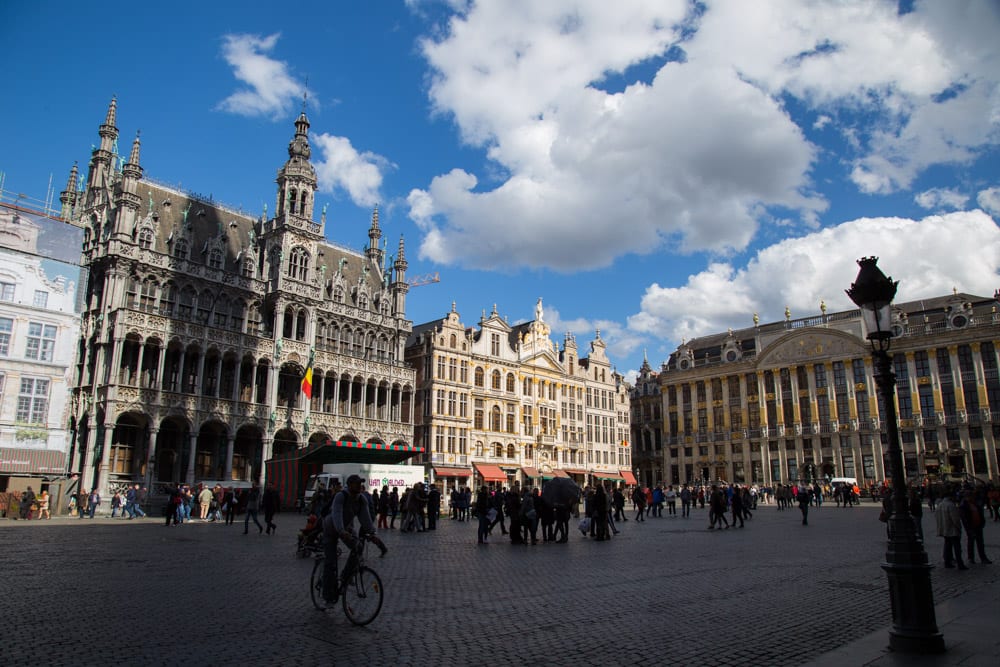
654,169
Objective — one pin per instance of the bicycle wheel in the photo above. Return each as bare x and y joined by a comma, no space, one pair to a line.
316,585
362,596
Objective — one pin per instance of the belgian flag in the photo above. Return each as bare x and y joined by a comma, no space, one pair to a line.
307,379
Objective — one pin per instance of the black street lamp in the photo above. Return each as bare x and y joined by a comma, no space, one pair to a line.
914,627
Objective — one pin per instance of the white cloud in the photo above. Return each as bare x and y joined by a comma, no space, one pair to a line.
941,198
989,201
341,167
928,257
272,90
703,151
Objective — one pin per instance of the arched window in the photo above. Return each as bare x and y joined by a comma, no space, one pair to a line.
168,297
248,268
511,452
510,383
186,308
237,312
134,285
181,248
146,238
302,203
495,380
147,298
220,314
480,377
205,301
215,258
298,264
291,200
300,325
338,294
495,419
363,300
498,450
453,341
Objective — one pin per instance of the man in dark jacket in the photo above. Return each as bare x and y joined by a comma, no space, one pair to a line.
433,507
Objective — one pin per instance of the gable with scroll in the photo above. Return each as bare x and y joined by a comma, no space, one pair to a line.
811,345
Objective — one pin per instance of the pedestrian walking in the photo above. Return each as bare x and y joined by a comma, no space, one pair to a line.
803,497
949,526
253,504
270,502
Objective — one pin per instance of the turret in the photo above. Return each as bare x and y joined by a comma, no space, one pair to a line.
374,252
399,286
297,179
127,200
68,196
99,175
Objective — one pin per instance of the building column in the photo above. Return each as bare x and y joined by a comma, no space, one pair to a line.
228,471
192,452
150,461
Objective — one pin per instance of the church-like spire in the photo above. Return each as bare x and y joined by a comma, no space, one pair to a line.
109,130
133,158
68,196
401,263
374,236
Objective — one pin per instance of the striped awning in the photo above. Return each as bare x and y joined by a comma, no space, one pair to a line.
491,473
441,471
629,477
23,461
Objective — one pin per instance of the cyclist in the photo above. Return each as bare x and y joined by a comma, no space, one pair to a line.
348,505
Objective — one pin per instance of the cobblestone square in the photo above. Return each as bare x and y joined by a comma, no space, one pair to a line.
663,591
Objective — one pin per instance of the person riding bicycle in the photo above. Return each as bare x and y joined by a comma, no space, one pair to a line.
348,505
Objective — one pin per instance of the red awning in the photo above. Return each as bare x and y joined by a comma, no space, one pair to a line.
25,461
452,472
491,473
629,477
530,472
607,475
574,471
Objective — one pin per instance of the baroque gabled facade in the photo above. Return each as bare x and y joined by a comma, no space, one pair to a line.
503,404
797,399
39,327
199,323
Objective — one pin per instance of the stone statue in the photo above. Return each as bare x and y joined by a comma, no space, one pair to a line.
538,310
185,212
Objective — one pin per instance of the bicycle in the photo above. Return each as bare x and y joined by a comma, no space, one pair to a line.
360,594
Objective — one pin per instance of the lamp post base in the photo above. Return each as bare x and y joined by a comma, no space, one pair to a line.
914,626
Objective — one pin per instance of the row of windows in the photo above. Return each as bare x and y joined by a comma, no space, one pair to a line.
32,399
857,367
40,343
7,293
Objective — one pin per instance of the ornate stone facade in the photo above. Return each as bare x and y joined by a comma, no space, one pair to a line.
502,404
200,321
797,399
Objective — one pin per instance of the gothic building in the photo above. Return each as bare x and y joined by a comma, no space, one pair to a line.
647,426
502,404
797,400
200,321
